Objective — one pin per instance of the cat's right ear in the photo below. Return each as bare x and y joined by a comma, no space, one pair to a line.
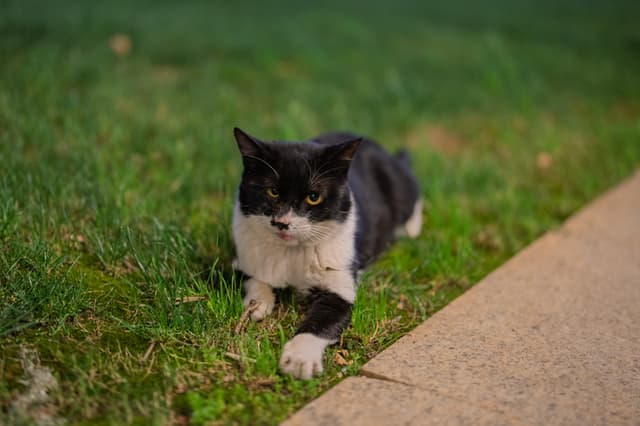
247,144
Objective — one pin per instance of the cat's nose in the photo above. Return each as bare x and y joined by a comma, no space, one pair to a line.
281,223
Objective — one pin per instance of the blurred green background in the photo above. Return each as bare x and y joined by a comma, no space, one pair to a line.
118,172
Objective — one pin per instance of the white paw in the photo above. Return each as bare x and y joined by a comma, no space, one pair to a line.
302,356
263,296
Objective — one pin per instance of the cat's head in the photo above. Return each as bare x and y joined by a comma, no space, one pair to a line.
295,191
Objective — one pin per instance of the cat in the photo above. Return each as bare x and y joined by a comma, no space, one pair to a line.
313,215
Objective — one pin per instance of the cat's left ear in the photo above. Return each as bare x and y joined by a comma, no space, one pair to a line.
247,144
345,151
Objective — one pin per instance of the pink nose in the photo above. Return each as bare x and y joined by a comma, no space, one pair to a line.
280,224
285,219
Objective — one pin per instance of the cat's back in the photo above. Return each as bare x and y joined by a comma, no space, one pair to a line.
385,189
373,162
369,153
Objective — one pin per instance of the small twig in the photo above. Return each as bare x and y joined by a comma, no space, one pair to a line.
189,299
253,305
149,350
239,357
129,266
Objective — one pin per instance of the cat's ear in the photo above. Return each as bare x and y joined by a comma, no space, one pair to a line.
345,151
247,144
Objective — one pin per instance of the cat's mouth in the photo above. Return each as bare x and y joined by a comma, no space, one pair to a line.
286,236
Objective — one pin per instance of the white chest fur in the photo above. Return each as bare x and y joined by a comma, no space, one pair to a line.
326,263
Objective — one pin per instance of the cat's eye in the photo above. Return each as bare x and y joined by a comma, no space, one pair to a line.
313,199
273,193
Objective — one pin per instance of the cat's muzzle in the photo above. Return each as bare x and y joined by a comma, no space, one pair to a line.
280,224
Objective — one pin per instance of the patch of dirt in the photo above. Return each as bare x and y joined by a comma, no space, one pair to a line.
625,111
439,138
34,403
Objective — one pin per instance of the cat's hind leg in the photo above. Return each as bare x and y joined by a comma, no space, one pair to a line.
262,294
327,316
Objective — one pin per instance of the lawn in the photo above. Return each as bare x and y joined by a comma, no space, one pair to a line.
119,168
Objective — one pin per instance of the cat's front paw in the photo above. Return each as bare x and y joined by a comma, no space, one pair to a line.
262,296
260,309
302,356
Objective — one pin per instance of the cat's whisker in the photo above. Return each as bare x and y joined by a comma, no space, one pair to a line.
314,232
316,176
265,163
306,162
316,229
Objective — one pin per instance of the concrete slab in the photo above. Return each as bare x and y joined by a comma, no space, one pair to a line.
551,337
368,402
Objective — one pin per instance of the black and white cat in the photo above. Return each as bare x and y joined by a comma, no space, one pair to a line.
312,215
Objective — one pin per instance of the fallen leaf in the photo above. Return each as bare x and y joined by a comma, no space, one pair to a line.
544,160
340,357
403,304
120,44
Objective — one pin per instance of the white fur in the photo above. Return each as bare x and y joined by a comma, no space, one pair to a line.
302,355
413,226
263,295
321,255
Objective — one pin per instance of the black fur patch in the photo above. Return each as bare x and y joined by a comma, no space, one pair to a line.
327,316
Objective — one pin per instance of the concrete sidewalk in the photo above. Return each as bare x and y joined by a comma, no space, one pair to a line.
551,337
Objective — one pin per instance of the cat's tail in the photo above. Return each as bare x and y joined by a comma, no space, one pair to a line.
412,220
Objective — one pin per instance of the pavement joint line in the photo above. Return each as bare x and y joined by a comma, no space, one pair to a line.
379,377
371,375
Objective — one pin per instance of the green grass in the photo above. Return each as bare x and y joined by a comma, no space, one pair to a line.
118,174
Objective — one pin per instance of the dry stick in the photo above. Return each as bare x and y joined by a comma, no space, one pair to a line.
239,357
190,299
149,350
253,305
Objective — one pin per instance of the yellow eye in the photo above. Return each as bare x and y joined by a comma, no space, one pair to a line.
273,193
313,199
